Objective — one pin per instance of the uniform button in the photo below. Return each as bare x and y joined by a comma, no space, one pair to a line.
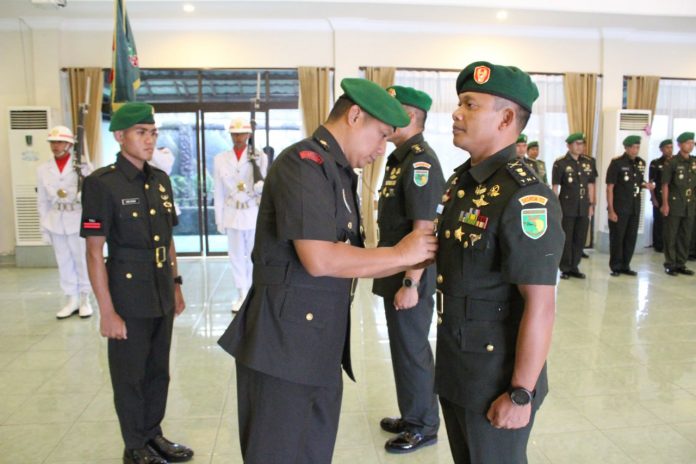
156,238
153,212
135,214
490,348
147,186
350,225
466,244
160,265
309,316
129,275
447,233
439,320
460,193
440,279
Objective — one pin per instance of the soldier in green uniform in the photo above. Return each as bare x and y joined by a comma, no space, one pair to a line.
535,163
291,335
129,206
625,179
573,179
679,205
655,178
500,242
410,193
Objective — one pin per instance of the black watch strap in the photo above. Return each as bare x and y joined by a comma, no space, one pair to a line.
179,280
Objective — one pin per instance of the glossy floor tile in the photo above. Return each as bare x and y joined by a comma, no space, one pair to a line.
622,370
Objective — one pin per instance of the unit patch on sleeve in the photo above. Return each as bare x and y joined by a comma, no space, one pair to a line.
534,222
312,155
420,177
92,224
525,200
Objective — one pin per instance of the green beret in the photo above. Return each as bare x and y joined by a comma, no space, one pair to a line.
507,82
631,140
130,114
522,139
575,136
410,96
533,144
685,137
665,142
376,101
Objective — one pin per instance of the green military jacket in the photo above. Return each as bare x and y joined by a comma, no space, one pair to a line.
680,175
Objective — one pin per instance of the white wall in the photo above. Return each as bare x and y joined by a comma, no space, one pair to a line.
345,44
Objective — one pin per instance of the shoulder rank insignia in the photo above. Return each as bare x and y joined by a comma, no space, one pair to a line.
522,173
417,149
312,155
324,144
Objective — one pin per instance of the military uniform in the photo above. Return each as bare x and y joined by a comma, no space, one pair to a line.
134,210
627,175
499,228
539,168
574,178
655,176
291,335
60,211
680,175
411,190
236,208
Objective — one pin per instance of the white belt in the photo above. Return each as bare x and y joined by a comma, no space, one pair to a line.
65,206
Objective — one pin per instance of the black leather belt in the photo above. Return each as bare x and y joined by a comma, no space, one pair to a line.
149,255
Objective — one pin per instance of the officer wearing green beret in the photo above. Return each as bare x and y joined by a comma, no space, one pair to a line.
411,190
679,205
291,335
625,178
655,178
573,179
500,241
521,146
128,206
535,163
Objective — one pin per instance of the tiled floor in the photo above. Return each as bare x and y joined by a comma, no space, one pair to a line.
622,371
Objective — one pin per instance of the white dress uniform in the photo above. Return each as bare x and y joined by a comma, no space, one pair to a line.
236,207
60,212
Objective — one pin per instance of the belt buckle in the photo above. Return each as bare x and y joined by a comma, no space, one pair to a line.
160,254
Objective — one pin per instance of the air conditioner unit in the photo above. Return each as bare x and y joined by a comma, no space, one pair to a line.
636,122
28,130
50,3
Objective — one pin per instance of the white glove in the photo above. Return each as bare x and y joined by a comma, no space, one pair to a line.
258,187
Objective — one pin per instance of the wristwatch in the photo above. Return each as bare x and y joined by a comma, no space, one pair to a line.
520,396
179,280
409,282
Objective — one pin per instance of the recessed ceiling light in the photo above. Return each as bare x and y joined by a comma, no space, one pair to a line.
501,15
188,8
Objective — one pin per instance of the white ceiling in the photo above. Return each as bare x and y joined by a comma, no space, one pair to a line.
667,15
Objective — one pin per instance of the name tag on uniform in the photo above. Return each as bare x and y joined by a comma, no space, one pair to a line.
130,201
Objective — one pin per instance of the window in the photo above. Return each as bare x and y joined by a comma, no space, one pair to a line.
675,112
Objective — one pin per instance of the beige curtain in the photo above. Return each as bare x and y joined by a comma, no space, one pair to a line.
581,102
372,172
78,88
314,97
642,92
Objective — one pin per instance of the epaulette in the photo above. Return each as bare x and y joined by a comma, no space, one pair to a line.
522,173
616,157
417,148
559,158
108,169
588,158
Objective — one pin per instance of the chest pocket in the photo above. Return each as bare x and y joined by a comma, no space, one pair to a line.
131,212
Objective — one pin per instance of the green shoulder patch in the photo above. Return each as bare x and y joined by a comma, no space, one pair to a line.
420,177
534,222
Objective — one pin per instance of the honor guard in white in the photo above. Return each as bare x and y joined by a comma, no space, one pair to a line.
237,197
60,211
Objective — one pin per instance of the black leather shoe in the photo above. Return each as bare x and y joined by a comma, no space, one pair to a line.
142,456
671,272
685,271
585,255
576,274
406,442
614,273
629,272
173,452
565,275
393,424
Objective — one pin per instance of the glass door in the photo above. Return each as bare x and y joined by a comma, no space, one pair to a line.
177,154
